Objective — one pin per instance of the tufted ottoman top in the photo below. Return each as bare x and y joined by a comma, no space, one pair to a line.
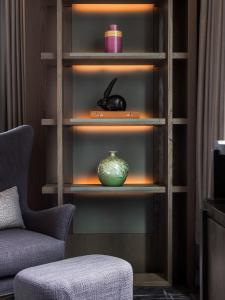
91,277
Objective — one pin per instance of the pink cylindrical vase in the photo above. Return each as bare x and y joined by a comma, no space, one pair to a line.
113,39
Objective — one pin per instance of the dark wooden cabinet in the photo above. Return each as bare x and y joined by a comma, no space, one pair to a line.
214,249
216,260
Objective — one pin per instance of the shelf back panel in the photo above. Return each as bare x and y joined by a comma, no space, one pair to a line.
142,90
140,30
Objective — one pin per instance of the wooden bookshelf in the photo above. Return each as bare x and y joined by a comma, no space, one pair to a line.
166,92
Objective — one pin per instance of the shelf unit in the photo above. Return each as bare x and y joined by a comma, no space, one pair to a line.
170,59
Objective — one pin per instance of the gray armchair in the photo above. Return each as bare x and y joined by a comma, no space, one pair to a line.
43,239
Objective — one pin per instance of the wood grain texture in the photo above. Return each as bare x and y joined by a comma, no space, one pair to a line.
67,29
191,139
179,189
48,55
129,246
71,189
169,142
180,121
180,55
124,55
150,279
141,55
118,121
103,121
131,122
59,104
34,98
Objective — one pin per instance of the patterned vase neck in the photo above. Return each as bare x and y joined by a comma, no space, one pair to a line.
113,153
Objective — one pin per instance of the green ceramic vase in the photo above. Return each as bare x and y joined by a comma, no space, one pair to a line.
113,171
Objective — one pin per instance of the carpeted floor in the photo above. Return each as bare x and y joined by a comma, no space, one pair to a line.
154,294
162,294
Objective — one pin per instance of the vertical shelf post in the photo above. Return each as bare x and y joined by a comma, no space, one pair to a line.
169,142
191,135
59,105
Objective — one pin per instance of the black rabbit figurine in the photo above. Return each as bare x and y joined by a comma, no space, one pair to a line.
114,102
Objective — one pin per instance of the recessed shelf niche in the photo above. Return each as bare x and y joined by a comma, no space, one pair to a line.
140,23
84,85
86,147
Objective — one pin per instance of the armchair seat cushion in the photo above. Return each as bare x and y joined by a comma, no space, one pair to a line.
20,249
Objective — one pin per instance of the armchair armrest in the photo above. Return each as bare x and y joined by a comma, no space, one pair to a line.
54,222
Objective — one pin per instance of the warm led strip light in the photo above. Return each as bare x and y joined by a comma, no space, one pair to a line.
112,68
113,8
130,180
112,129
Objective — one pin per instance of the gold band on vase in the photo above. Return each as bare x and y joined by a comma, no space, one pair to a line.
114,33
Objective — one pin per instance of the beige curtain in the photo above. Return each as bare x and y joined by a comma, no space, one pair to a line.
12,93
211,92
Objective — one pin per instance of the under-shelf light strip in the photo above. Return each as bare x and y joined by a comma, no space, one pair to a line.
112,8
112,68
111,129
131,179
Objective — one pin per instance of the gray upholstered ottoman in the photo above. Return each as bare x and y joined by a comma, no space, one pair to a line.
91,277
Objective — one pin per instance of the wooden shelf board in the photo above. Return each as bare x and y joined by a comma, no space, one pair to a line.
108,122
48,122
73,188
180,121
150,279
179,189
121,122
152,121
72,56
111,56
180,55
49,189
123,55
48,56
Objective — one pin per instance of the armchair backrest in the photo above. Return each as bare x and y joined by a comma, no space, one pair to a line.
15,152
